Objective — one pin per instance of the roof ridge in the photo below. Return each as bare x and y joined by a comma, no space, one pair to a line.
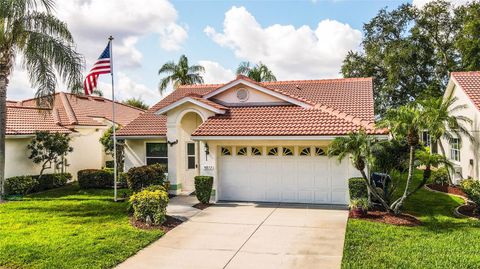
317,80
68,109
469,73
346,116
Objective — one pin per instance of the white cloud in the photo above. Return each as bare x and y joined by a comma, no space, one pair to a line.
421,3
216,73
291,53
126,88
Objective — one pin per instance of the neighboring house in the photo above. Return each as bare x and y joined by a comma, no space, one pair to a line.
461,151
85,119
260,141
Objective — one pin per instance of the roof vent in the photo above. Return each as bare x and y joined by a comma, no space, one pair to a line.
298,87
242,94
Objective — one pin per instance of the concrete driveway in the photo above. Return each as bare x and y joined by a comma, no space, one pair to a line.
241,235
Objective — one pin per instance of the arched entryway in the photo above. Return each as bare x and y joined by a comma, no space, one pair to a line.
189,149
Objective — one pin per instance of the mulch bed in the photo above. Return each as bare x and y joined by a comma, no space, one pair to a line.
389,218
202,206
447,189
469,210
169,224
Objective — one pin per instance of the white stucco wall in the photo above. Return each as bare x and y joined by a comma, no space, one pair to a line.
469,151
87,153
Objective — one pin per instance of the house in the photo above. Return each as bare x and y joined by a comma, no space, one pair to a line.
85,119
462,151
260,141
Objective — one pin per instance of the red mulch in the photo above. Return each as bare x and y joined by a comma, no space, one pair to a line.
201,206
169,224
447,189
469,210
389,218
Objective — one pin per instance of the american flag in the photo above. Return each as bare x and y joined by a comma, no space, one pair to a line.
102,66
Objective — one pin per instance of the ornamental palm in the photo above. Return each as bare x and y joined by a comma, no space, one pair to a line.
30,30
441,121
259,72
180,74
358,147
428,159
405,122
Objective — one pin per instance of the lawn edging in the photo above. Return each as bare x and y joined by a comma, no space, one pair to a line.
456,211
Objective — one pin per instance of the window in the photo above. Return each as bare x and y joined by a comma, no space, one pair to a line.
272,151
319,152
156,153
256,151
455,149
226,151
191,162
242,151
287,151
305,151
425,138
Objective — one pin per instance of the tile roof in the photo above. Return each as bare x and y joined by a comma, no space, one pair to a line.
28,120
82,110
470,83
279,121
343,104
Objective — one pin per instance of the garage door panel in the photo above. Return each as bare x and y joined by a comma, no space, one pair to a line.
296,179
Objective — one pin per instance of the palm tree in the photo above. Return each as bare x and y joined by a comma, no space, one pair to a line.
180,74
46,46
441,121
428,159
259,72
405,122
358,146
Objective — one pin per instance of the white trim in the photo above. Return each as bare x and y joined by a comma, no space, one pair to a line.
139,137
302,138
189,100
258,88
19,136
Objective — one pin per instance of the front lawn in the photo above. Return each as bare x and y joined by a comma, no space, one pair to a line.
68,228
443,241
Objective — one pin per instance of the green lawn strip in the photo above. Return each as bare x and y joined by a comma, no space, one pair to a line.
68,228
443,241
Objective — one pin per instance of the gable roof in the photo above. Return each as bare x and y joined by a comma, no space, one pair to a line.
469,82
194,99
28,120
338,102
74,110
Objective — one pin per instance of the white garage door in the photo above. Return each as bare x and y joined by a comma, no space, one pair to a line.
300,176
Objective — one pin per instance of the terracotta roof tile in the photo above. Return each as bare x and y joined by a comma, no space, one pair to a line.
470,83
28,120
278,121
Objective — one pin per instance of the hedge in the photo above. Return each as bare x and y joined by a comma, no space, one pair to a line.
440,176
357,188
95,178
471,188
203,188
28,184
144,176
150,204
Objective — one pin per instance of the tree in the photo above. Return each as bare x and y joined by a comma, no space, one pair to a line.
30,30
180,74
442,120
47,148
410,52
136,102
258,72
107,141
428,159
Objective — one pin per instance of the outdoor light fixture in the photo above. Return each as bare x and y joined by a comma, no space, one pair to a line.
171,143
207,150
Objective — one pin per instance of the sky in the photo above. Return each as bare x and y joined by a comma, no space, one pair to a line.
295,39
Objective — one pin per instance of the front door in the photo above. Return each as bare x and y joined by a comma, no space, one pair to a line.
192,169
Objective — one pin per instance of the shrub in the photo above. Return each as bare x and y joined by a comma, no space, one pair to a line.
357,188
151,204
154,188
95,178
144,176
440,176
359,203
51,181
203,188
19,185
471,188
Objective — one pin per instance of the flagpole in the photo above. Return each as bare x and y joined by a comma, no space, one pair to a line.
113,124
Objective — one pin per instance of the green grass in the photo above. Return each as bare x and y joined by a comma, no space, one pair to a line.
443,241
68,228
